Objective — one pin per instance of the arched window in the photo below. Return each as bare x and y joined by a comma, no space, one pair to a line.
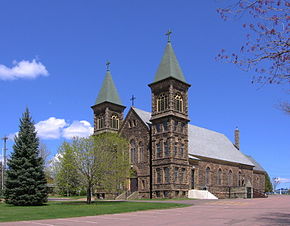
133,151
240,179
166,148
100,122
158,175
219,177
175,174
230,178
166,174
114,122
158,150
178,103
141,152
162,102
207,175
175,149
181,150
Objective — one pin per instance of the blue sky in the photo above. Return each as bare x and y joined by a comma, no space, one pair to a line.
56,53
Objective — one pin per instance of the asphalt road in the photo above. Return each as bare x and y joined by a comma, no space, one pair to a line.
274,210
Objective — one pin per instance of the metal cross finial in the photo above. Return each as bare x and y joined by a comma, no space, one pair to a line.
108,65
169,32
132,99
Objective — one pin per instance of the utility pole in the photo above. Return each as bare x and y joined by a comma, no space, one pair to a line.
5,138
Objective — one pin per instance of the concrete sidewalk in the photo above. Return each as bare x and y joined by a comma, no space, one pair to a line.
274,210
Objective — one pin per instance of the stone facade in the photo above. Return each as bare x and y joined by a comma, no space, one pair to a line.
138,135
169,133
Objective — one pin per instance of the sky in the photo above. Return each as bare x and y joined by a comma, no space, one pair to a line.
53,55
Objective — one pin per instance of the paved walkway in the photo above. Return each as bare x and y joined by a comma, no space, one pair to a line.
274,210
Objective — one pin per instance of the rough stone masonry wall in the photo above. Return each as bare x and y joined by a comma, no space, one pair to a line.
227,186
135,129
259,181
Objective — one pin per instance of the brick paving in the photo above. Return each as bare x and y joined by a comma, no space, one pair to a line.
274,210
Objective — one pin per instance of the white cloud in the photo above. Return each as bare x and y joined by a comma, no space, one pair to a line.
283,180
55,128
50,128
78,129
23,69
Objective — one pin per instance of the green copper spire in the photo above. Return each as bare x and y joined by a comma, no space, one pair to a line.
169,66
108,92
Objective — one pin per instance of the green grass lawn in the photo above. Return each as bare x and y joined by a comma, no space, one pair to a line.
67,197
75,209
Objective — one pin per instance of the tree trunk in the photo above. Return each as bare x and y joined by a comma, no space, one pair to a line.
89,194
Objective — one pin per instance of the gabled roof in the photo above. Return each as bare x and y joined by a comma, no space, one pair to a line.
257,167
206,143
169,66
108,92
211,144
144,115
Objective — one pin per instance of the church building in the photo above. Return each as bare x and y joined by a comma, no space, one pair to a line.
170,157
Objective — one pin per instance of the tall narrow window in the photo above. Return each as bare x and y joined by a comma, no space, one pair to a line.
230,178
166,149
182,175
141,152
175,174
178,103
175,149
219,177
181,150
165,125
100,122
158,175
114,122
157,127
158,150
240,179
207,175
176,126
133,151
162,102
167,174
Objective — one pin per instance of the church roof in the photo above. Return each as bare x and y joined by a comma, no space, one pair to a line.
257,165
169,66
211,144
108,92
206,143
144,115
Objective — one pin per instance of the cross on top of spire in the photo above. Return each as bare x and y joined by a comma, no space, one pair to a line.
108,65
168,33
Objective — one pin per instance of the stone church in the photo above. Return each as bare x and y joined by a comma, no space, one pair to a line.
170,157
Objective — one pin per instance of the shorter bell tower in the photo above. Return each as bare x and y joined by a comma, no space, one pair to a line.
108,109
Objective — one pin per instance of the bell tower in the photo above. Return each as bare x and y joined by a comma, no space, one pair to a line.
170,165
108,109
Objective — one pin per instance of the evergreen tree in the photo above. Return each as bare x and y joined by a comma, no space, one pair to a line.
268,184
26,184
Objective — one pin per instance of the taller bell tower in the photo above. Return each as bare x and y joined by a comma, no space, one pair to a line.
108,109
170,165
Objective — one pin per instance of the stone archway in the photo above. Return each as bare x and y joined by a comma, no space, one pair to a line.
133,180
249,190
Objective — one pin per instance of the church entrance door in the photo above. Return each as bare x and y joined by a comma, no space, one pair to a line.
133,184
249,192
192,179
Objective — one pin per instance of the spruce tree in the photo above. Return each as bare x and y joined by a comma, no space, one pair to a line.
26,184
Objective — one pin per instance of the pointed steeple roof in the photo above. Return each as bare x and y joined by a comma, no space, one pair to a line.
169,66
108,92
